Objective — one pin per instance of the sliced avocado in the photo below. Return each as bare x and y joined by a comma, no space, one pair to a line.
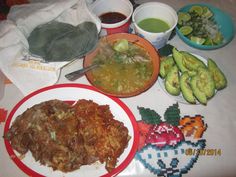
218,75
201,97
205,82
191,62
186,89
172,81
178,57
165,65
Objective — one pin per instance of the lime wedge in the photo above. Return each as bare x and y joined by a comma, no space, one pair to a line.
209,41
197,40
183,17
186,30
218,38
207,12
197,9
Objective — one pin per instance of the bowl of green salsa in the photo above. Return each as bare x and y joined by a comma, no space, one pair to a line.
154,25
154,21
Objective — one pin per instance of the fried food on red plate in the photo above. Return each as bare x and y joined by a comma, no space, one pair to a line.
66,137
49,130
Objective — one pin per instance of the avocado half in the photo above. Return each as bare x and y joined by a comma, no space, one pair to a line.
166,64
218,76
187,62
178,57
206,82
186,89
203,85
201,97
172,84
191,62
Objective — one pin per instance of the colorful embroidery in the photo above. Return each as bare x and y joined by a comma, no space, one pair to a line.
192,126
164,145
3,115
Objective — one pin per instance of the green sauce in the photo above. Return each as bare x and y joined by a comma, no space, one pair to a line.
153,25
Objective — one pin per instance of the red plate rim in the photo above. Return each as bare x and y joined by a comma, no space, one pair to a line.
114,172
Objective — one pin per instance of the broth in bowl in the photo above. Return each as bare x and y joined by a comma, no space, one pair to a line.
128,65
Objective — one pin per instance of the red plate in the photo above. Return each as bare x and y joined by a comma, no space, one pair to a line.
74,92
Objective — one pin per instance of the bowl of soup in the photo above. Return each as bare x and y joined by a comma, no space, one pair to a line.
127,65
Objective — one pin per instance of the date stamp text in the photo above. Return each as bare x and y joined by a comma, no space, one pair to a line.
203,152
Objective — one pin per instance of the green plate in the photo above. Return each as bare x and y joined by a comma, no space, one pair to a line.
223,20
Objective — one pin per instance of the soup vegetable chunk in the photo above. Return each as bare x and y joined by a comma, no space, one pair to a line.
124,67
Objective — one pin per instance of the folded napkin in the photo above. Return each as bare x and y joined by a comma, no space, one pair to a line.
28,72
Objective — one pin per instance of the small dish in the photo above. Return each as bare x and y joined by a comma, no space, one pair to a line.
222,19
138,41
117,14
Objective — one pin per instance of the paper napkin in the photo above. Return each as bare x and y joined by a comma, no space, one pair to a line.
29,73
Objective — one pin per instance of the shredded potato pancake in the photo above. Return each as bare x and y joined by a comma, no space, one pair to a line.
66,137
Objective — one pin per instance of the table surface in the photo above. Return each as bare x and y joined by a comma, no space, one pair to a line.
220,112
